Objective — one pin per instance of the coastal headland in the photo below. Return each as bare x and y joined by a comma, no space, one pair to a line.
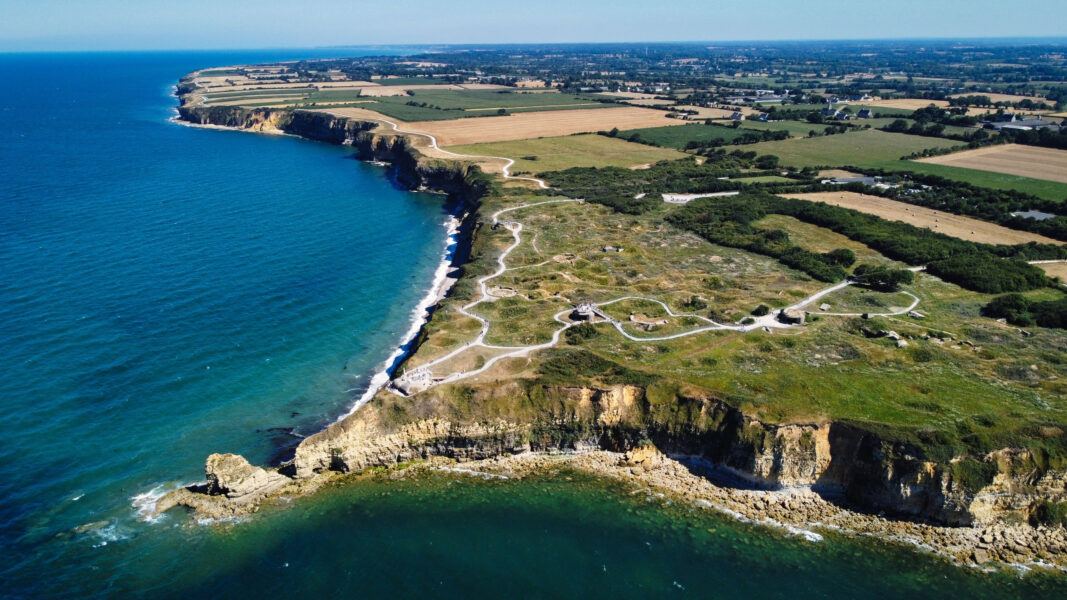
589,324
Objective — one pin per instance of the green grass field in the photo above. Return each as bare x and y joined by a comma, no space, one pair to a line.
441,104
554,153
881,110
865,148
795,128
678,137
409,81
765,179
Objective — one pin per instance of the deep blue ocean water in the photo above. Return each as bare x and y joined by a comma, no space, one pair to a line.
167,292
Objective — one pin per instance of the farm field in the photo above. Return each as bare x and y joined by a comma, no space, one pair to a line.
1055,270
1003,97
406,104
1051,190
795,128
541,124
861,148
765,179
889,111
958,226
717,113
556,153
678,137
1013,159
910,104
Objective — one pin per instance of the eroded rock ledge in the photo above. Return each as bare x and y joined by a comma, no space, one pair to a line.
831,474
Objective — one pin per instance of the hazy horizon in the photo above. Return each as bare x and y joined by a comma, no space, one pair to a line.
115,25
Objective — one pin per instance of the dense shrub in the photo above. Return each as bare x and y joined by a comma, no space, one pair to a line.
984,272
569,365
973,475
882,277
1049,513
580,333
1019,310
842,257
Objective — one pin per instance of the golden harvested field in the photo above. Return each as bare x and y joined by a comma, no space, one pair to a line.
964,228
274,101
528,125
1055,270
718,113
1014,159
905,103
649,102
831,173
555,153
1002,97
629,95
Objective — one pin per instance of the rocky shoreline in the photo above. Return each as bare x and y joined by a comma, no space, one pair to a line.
236,489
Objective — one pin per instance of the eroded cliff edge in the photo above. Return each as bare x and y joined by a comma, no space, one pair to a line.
844,464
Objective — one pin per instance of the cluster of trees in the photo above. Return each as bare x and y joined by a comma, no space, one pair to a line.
618,187
1048,137
728,222
986,204
985,101
881,277
1020,310
952,116
978,267
752,136
984,272
749,137
935,130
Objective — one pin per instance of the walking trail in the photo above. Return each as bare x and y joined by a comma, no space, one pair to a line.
422,378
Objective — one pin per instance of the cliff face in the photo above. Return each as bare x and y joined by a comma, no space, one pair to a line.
412,170
840,461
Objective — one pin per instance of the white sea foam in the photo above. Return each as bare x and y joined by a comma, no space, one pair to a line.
210,521
145,503
807,534
481,474
420,315
109,533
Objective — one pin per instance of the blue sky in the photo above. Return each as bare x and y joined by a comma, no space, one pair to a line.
210,24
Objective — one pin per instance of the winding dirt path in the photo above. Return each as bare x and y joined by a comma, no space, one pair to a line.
768,321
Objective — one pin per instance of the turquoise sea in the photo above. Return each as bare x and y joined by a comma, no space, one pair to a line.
167,292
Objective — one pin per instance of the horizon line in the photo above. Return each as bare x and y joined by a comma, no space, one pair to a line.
1032,39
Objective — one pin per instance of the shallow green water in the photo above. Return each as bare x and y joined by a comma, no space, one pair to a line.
458,536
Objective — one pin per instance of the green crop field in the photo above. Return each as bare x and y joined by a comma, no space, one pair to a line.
409,81
678,137
1052,190
868,147
795,128
554,153
765,179
440,104
881,110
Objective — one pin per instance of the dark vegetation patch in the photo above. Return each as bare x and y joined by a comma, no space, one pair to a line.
1020,310
566,366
